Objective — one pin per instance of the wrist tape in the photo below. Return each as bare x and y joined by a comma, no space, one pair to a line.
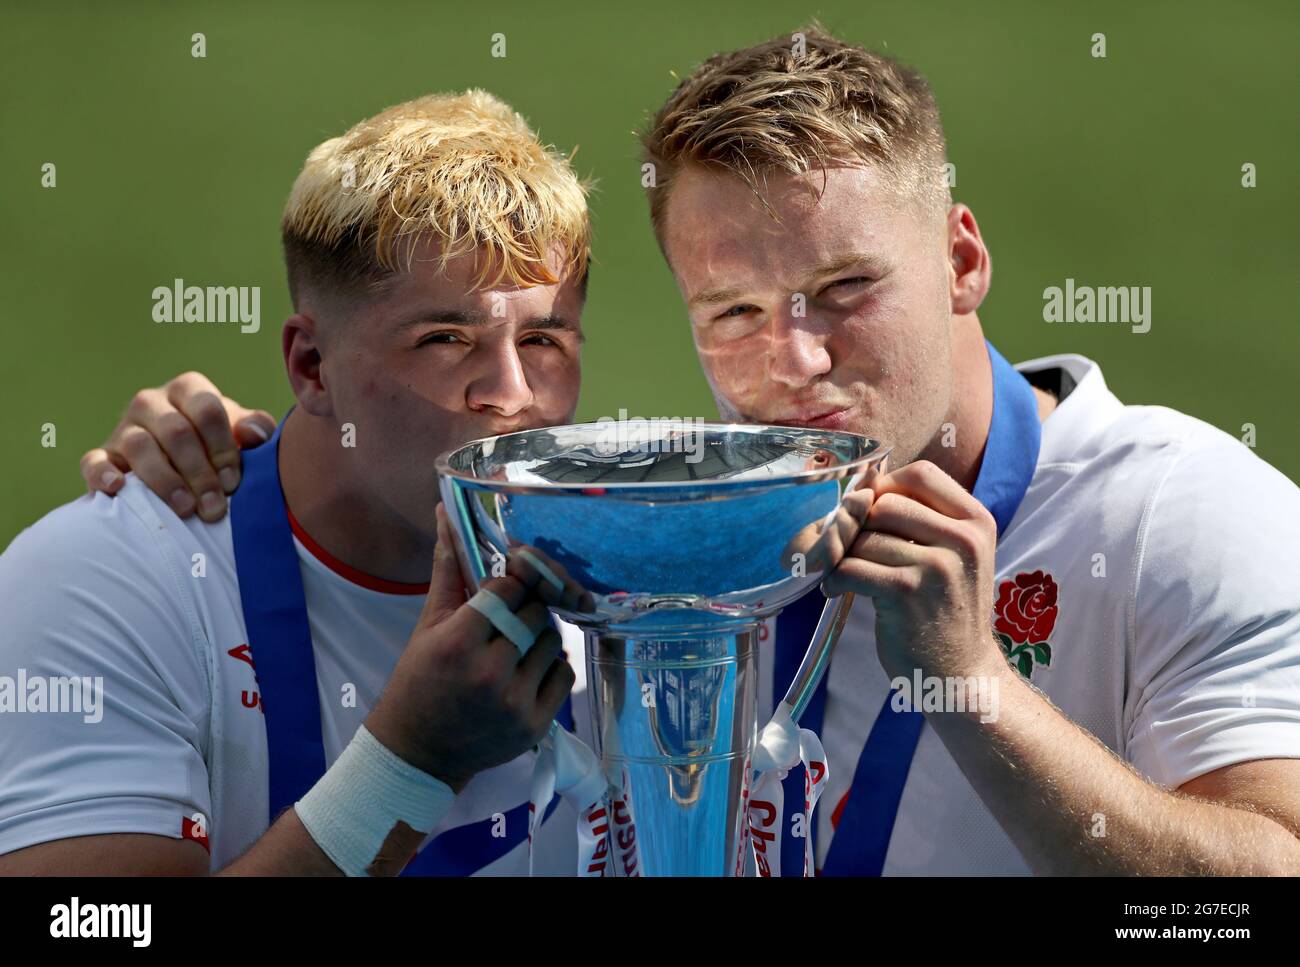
352,810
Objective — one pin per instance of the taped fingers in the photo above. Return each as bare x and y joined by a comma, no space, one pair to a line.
521,629
542,568
553,584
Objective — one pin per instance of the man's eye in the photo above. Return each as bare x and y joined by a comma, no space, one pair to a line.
537,339
735,311
843,283
439,338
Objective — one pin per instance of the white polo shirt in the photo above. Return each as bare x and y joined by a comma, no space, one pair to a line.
122,590
1175,552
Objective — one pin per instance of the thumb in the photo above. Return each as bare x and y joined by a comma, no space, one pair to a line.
447,590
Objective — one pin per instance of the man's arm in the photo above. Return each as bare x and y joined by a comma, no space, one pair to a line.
1072,806
286,849
461,699
925,557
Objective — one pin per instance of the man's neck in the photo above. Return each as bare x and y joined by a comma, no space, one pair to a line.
971,410
348,523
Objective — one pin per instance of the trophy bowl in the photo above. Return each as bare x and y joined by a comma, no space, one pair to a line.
689,535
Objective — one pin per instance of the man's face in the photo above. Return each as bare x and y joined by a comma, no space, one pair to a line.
433,363
838,316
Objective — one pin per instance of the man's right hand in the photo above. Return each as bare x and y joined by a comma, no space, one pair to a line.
183,441
461,698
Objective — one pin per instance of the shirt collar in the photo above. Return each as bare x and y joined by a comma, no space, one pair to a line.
1011,451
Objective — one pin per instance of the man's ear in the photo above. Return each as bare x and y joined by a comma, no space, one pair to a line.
970,268
300,343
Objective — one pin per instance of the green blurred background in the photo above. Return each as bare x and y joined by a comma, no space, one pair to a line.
1122,171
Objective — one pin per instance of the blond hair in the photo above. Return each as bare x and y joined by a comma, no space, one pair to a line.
464,170
797,103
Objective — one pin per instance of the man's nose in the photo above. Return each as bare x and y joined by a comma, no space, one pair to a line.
503,386
798,353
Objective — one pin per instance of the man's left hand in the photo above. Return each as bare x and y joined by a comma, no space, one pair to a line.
925,557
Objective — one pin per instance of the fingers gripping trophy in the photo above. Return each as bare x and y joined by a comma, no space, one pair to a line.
688,536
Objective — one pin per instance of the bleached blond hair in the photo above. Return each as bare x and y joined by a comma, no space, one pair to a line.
464,170
799,102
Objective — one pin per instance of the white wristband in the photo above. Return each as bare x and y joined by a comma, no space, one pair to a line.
353,808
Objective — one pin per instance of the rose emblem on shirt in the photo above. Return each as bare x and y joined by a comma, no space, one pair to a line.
1024,615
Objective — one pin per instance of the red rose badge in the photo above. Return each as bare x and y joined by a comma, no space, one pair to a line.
1024,616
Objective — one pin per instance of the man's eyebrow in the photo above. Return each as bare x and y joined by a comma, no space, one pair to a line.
554,322
838,264
449,317
713,296
848,260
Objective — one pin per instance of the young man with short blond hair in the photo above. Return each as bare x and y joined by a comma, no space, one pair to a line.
287,692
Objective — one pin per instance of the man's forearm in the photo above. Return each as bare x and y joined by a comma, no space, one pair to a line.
1071,806
286,849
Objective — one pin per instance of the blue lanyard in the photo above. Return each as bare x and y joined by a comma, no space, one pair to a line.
279,637
867,823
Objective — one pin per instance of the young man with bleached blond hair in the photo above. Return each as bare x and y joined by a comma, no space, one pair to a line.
1120,577
286,691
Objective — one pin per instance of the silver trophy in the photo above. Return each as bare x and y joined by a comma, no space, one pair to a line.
689,535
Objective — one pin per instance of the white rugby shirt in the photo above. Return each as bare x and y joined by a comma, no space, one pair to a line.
1178,648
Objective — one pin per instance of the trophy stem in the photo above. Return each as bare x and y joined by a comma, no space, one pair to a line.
675,720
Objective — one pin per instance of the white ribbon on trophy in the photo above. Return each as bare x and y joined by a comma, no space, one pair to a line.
781,746
567,765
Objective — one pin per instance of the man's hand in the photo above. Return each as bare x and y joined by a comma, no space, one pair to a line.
183,441
924,556
461,698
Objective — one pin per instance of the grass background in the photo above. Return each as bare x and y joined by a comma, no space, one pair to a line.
1122,171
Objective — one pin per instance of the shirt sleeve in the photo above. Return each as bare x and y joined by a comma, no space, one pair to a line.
1215,665
105,720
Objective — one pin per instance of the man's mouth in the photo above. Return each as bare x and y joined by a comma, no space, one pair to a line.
820,418
501,429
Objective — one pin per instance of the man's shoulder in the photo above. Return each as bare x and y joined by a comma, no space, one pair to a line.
1197,507
1140,447
1156,453
135,529
122,577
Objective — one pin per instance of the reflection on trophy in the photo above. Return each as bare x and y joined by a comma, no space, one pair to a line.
689,535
